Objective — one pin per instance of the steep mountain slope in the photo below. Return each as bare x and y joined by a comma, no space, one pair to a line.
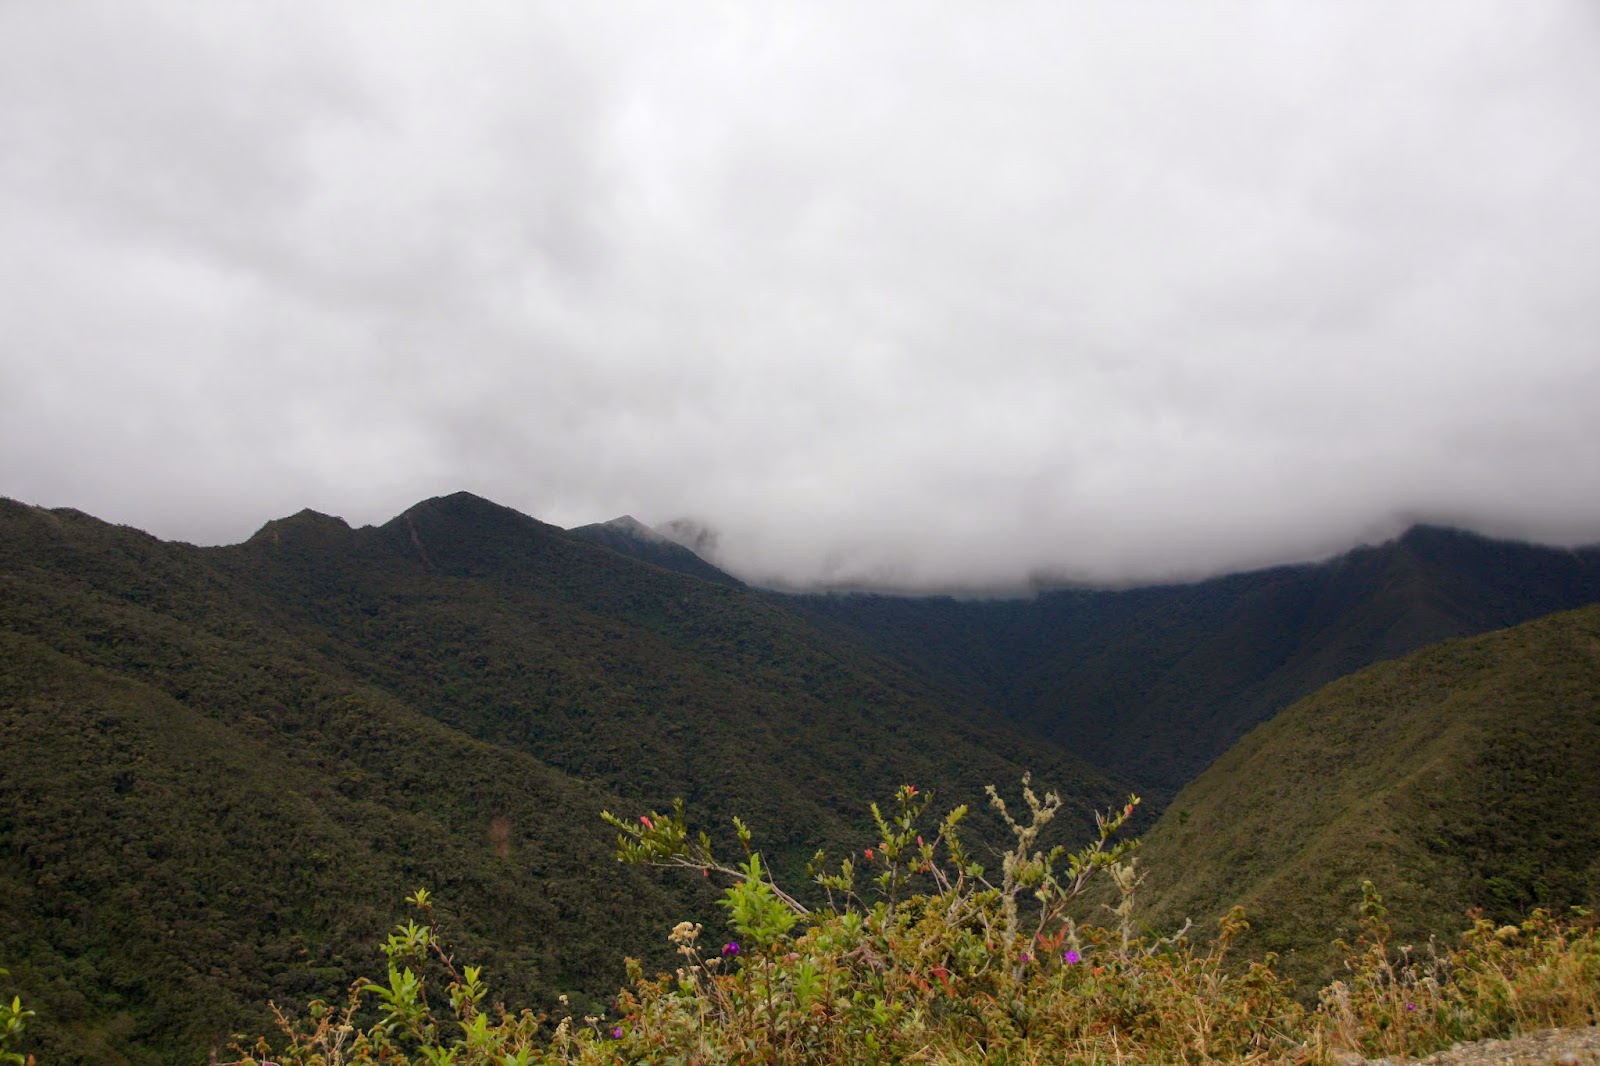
1466,774
656,683
633,538
224,768
1154,683
166,873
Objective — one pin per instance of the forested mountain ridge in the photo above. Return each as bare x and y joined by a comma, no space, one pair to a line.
497,621
1155,683
1465,774
226,766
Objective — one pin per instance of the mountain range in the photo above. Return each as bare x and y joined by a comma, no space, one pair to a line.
1153,684
225,767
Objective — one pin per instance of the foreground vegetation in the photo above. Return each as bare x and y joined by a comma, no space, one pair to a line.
950,963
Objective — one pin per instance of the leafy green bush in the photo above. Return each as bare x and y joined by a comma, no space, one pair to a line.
13,1019
921,954
1500,980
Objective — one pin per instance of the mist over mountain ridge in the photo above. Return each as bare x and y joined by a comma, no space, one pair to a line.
1158,680
706,542
1155,680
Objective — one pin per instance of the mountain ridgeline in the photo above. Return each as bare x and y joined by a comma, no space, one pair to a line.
633,538
1466,774
1155,683
223,768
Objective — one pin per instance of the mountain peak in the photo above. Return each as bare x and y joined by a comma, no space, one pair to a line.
466,511
303,527
459,504
632,527
631,537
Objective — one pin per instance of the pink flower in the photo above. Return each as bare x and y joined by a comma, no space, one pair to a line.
648,824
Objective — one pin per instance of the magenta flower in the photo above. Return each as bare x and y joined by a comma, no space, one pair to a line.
730,949
1070,957
616,1034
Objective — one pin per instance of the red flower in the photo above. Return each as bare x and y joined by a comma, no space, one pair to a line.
868,853
648,824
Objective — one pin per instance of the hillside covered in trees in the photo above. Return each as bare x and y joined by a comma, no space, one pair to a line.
1463,776
225,766
1155,683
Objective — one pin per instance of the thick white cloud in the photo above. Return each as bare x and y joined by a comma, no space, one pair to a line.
884,292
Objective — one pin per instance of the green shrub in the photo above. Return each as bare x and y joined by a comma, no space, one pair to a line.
13,1020
1500,980
921,954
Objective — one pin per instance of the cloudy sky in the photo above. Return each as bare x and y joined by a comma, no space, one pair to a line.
922,293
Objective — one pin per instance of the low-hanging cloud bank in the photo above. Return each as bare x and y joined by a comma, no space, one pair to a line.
885,296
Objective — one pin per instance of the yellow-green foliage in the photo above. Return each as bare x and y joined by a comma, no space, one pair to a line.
13,1020
1500,979
950,964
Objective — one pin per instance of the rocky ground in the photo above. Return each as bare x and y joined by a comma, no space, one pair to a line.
1548,1047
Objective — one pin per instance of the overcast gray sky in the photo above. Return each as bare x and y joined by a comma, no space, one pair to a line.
922,293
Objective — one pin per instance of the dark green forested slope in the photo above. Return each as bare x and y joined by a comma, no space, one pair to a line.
650,681
1154,683
166,873
224,768
1466,774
